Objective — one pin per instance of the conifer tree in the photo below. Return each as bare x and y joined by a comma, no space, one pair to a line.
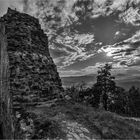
106,83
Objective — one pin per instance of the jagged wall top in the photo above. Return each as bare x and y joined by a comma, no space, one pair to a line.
21,17
21,26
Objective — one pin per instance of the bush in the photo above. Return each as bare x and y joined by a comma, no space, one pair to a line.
78,93
47,128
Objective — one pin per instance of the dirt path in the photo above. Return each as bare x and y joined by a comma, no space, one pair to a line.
76,131
73,130
131,119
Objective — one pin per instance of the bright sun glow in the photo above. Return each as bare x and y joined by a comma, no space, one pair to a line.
109,54
109,51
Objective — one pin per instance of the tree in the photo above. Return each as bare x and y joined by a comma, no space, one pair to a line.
94,95
106,84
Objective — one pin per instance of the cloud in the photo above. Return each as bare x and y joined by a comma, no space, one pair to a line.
84,39
68,73
131,16
58,52
82,72
75,46
128,10
125,52
119,5
55,16
77,31
66,22
92,70
58,17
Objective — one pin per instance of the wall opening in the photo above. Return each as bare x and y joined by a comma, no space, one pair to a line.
1,132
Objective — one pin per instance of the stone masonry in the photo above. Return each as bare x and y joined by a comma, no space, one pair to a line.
33,74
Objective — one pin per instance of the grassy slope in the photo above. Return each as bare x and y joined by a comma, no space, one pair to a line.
101,124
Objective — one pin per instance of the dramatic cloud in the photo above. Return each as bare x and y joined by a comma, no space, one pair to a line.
84,34
125,52
15,4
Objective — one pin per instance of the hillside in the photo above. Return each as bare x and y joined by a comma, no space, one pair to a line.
89,79
59,119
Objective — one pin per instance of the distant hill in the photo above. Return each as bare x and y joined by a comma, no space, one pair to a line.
91,79
128,84
88,79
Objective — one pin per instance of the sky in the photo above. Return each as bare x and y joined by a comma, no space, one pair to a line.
85,34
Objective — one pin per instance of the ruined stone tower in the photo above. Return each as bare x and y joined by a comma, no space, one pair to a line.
33,74
27,71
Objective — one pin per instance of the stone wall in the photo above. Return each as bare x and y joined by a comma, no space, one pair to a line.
33,74
6,116
28,74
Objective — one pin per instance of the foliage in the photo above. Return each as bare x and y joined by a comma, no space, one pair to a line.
126,102
118,101
115,99
134,101
78,93
105,84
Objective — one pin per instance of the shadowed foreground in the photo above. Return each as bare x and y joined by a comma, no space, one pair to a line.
73,121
